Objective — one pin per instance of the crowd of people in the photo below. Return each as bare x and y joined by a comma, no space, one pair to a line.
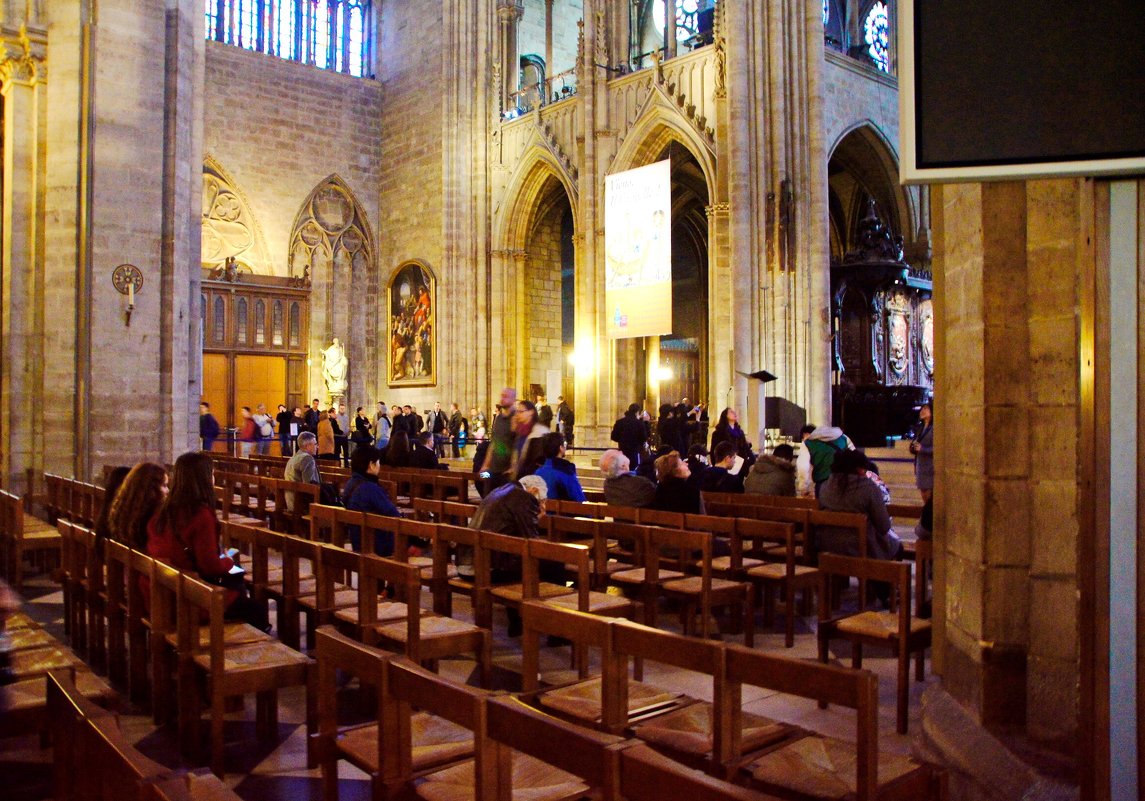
450,433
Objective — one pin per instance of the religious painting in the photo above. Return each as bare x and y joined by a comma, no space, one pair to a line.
413,310
898,339
926,344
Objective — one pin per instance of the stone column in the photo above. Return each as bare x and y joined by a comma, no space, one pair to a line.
21,85
547,89
509,13
1008,448
669,28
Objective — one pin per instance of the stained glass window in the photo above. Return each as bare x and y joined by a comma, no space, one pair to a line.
295,325
332,34
259,323
276,324
876,32
241,320
219,323
686,23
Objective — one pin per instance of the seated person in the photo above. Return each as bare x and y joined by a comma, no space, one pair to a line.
718,477
773,474
362,493
301,467
622,487
849,490
559,473
422,453
675,491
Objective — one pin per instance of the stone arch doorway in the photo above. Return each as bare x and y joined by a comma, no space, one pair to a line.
540,319
863,167
674,366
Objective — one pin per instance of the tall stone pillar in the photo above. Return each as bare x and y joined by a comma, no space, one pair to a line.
21,258
1008,448
509,13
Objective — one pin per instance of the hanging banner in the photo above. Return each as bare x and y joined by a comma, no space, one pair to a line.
638,251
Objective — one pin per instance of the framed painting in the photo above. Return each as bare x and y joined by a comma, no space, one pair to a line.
413,315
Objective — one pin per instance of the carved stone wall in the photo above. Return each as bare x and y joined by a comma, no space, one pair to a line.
229,228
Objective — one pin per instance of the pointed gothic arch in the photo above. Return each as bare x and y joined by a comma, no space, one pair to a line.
657,127
333,250
229,228
531,182
868,156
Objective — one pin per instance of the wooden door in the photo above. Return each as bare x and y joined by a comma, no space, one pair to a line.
215,367
259,379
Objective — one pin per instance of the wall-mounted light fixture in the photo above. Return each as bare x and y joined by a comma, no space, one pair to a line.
127,280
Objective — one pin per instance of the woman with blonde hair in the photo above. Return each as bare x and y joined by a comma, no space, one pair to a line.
136,502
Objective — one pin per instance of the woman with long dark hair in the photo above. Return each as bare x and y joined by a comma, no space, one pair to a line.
111,486
137,501
397,452
728,430
185,534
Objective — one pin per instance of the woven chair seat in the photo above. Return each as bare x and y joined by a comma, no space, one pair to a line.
533,780
597,602
777,571
25,639
878,625
233,634
429,627
821,767
690,730
583,699
515,592
636,576
694,585
36,661
434,741
388,611
724,563
255,656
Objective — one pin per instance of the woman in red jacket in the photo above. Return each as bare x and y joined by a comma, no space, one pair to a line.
185,534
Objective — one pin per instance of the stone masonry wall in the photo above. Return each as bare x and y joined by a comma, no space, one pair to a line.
279,128
543,299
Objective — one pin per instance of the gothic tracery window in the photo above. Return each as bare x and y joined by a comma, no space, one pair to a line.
687,24
876,33
333,35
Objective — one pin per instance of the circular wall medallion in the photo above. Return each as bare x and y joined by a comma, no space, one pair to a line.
126,275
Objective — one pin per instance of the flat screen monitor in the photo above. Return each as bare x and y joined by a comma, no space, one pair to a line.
992,90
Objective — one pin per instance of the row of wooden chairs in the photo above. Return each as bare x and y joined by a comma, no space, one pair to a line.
24,538
76,500
720,737
93,761
456,741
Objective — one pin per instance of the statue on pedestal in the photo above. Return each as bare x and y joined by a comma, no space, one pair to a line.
335,366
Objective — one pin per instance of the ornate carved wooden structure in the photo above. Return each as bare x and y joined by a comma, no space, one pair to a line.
883,325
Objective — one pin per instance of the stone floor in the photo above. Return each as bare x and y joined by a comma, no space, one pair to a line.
277,770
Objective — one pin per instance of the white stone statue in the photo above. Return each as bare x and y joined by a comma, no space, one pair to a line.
334,368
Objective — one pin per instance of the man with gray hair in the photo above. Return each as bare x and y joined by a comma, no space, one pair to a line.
514,509
301,467
621,487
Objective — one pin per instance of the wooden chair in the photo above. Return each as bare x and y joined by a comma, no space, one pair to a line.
626,565
787,576
735,564
421,637
461,542
457,513
375,745
24,536
657,517
343,568
257,667
118,560
293,517
605,701
331,524
896,629
702,592
94,589
140,567
697,733
316,598
815,766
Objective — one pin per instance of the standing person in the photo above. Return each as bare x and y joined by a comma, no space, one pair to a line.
398,421
565,420
284,419
185,534
544,412
342,435
382,426
820,445
248,433
415,424
923,450
462,438
265,425
558,472
527,451
728,430
438,425
313,417
630,434
326,436
361,435
362,493
499,455
455,422
208,427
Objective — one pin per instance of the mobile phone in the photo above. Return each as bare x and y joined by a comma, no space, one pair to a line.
485,474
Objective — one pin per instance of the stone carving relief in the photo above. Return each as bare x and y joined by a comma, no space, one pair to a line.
926,336
230,232
330,229
898,337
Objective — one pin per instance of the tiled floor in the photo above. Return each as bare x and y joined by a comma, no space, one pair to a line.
277,770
